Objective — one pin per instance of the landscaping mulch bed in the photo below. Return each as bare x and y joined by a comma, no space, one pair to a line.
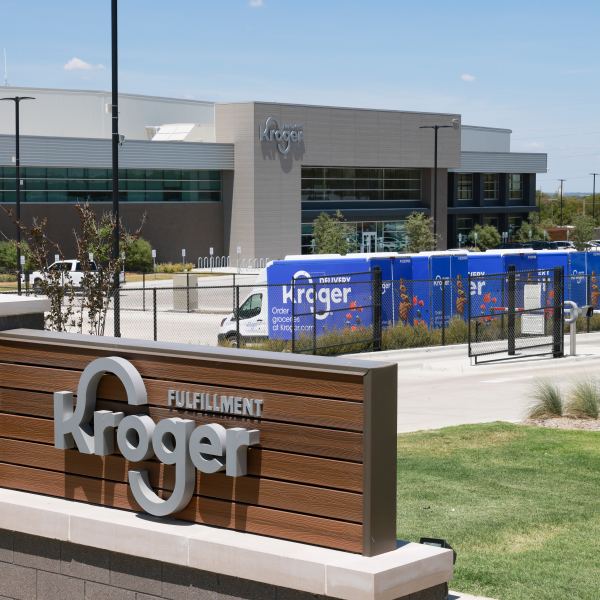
566,423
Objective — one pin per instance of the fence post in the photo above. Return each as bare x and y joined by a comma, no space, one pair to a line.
293,315
237,315
155,316
233,290
314,335
588,296
469,314
187,290
376,295
144,292
512,293
557,313
26,283
443,311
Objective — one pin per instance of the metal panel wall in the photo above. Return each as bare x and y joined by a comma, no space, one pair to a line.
134,154
502,162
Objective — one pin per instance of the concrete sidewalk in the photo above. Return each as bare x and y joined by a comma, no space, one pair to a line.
438,387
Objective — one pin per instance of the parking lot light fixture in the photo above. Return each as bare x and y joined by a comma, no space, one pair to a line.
17,100
435,128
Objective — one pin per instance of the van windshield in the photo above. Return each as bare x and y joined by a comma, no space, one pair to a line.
251,307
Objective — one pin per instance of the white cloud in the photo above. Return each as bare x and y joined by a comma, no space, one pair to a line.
256,3
468,77
76,64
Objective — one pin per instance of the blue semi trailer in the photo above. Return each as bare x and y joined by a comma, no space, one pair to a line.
428,288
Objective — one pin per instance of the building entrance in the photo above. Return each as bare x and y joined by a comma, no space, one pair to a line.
369,241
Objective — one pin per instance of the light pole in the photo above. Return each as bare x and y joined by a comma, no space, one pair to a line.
561,201
435,128
594,196
17,100
115,163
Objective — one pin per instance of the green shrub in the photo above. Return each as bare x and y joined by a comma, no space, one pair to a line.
8,256
409,336
457,331
547,400
138,256
584,400
173,267
8,277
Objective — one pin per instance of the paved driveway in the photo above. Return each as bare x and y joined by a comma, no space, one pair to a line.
438,387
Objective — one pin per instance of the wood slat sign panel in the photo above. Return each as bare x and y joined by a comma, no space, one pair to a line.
299,448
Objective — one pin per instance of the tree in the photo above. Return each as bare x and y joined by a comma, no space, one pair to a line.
583,232
531,230
419,233
485,237
8,256
138,255
93,241
331,234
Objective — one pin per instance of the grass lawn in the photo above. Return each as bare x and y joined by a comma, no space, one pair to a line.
519,504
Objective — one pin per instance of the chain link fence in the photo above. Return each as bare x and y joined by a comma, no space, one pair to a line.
519,313
326,317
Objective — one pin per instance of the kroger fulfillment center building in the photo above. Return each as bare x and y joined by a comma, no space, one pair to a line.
254,175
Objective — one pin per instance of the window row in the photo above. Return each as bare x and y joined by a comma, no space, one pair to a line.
336,195
100,185
464,186
359,173
349,183
106,196
364,236
361,184
85,173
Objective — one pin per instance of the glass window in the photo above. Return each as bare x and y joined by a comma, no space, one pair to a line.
251,307
55,184
465,187
515,186
491,220
364,236
490,186
348,183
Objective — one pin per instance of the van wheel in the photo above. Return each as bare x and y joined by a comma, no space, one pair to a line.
37,286
232,340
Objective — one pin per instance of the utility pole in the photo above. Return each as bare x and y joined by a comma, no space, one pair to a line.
17,100
594,196
115,165
561,200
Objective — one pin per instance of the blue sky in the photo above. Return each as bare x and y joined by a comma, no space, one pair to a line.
531,66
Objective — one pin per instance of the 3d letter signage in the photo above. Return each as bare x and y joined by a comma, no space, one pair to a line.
284,136
209,448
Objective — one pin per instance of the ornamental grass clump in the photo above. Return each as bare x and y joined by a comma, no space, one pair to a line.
584,400
547,400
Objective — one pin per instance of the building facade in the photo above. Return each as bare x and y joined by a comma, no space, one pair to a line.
254,176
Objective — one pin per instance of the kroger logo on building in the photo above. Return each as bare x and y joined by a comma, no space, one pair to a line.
283,136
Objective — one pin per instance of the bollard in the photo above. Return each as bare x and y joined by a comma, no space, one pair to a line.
572,321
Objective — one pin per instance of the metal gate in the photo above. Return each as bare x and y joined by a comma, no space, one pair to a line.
516,314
